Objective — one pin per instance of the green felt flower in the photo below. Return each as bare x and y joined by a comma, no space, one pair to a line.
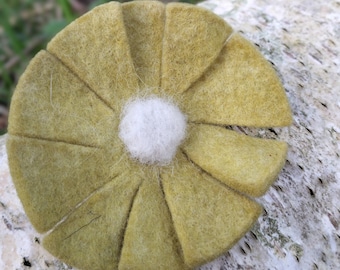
98,207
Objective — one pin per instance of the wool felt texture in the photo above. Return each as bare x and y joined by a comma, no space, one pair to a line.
152,129
98,207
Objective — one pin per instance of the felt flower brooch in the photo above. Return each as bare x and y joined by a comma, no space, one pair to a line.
118,144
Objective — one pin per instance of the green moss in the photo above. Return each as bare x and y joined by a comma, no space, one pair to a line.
296,250
270,233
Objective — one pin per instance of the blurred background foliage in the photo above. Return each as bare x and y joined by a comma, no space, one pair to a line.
25,28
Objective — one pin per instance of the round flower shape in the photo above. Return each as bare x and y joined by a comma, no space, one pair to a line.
71,143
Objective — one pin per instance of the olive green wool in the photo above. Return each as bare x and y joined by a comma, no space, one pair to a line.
97,207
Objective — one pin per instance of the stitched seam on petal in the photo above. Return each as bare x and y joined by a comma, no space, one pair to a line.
179,246
81,79
121,246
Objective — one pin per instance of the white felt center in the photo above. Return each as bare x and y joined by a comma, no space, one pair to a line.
152,129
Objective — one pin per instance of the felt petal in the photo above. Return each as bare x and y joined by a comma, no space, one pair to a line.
240,88
208,217
96,48
193,38
92,235
150,241
247,164
51,178
144,23
50,102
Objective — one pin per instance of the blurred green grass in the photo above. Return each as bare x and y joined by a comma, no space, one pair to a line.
25,28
